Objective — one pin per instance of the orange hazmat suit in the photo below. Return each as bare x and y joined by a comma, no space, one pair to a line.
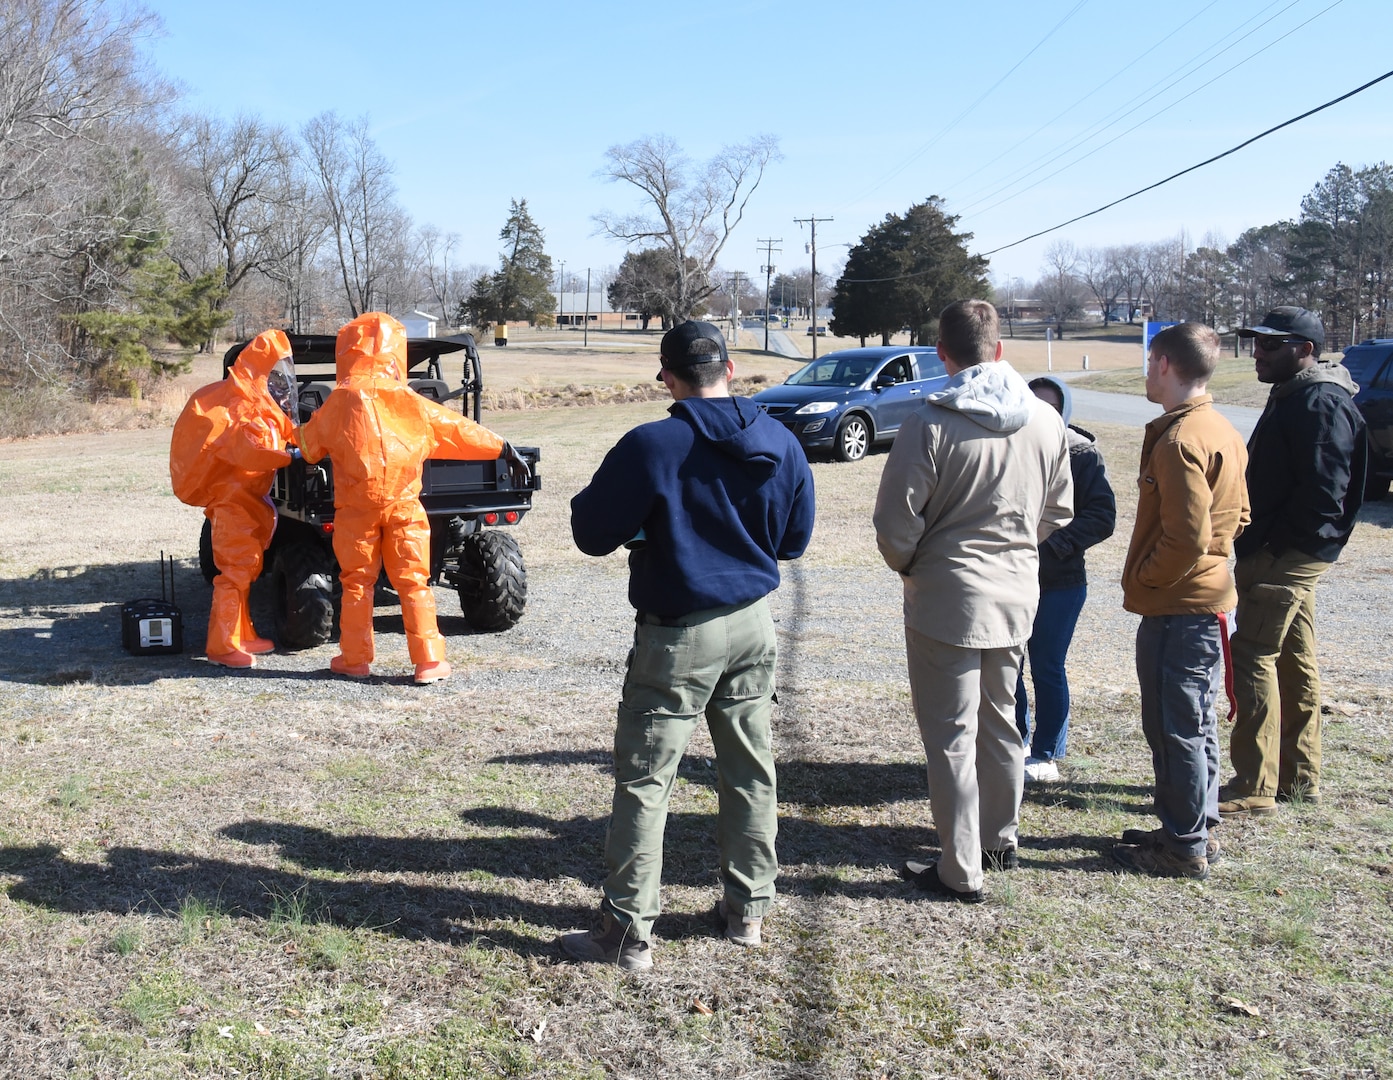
377,431
227,444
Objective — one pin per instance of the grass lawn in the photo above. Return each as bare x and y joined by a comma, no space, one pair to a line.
279,875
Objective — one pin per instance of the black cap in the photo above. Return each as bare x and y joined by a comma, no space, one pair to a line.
1289,322
691,343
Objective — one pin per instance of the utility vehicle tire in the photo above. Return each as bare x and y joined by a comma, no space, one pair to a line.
205,552
1375,488
492,580
302,579
853,438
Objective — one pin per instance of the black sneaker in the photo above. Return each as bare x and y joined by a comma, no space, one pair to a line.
925,875
1213,850
1005,859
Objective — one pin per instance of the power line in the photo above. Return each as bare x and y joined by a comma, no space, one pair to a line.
1038,180
1192,168
1149,187
962,115
1079,101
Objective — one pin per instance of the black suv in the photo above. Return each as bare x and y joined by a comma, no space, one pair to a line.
1371,365
460,498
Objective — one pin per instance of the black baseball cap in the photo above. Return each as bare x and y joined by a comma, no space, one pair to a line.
1289,322
692,343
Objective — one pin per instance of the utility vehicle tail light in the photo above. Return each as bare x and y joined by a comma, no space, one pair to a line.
511,517
491,518
327,528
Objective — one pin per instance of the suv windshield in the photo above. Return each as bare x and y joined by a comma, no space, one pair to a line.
833,371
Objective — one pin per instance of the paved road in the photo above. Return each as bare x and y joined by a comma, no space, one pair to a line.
1137,411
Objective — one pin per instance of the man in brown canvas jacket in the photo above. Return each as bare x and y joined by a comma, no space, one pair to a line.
1191,504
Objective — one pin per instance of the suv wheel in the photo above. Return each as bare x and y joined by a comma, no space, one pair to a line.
853,438
492,580
206,565
302,580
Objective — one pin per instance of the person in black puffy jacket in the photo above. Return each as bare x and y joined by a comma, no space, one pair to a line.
1063,589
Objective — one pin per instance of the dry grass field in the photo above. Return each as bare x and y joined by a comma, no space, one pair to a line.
275,874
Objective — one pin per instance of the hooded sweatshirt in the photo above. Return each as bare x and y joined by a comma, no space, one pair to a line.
1306,463
720,493
1062,562
977,478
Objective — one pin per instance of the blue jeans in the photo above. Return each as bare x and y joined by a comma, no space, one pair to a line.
1048,647
1178,670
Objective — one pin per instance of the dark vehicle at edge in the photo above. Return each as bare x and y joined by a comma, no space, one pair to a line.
483,564
848,400
1370,363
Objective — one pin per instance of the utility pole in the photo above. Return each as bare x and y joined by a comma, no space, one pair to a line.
735,306
768,269
560,318
585,335
812,248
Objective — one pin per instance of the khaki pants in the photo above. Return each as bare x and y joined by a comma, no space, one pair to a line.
718,664
965,702
1275,745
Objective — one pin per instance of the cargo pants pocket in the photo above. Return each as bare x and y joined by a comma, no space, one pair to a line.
1265,613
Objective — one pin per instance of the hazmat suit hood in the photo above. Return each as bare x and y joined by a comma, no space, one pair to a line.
729,424
991,395
261,354
372,346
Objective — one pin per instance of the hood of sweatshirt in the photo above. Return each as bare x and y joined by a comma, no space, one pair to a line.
1062,388
991,395
1320,371
738,428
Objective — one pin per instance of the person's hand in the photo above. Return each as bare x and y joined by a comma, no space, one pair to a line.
518,469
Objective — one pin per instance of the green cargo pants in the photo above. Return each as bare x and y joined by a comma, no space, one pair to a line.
1275,747
718,663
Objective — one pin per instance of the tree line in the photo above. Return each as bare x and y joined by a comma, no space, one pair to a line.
1334,258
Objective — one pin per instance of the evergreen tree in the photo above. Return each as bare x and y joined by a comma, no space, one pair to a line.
903,272
520,289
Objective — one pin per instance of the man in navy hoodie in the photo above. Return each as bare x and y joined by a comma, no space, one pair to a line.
707,501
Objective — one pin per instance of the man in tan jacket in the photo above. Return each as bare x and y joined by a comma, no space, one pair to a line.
1191,503
977,479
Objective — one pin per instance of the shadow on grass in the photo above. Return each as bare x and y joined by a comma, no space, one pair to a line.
805,783
63,626
527,846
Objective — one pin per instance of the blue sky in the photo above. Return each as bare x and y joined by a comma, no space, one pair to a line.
877,105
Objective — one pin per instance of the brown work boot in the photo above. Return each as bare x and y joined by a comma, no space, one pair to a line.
1213,850
1248,806
741,929
1161,861
610,942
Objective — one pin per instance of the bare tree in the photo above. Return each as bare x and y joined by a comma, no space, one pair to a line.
1060,287
71,86
1099,269
240,169
690,209
355,183
443,277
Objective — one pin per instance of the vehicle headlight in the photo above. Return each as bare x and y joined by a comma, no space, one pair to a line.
816,408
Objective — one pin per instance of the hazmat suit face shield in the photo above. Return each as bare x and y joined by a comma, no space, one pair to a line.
283,388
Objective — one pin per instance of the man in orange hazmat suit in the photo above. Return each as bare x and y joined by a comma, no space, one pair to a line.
377,431
227,444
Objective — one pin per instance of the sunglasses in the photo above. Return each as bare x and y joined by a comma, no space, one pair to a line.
1271,342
